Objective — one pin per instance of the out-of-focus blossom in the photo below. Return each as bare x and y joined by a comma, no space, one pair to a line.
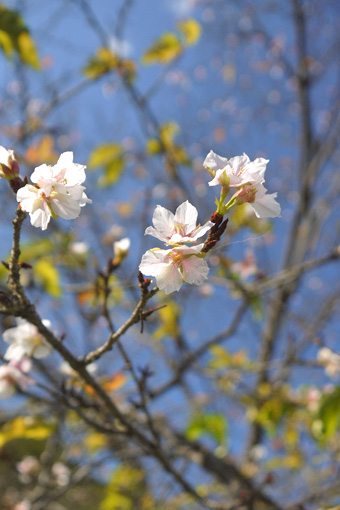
61,473
121,249
313,398
57,192
246,267
25,340
9,167
79,248
179,227
13,375
330,360
172,268
28,467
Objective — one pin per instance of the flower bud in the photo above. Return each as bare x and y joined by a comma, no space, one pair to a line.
9,167
121,249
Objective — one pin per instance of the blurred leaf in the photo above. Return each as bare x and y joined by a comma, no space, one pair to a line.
42,152
38,248
24,427
117,381
168,321
153,146
243,216
167,132
47,275
329,415
211,424
125,490
14,36
28,51
6,44
163,50
222,358
95,441
191,31
109,156
256,306
103,62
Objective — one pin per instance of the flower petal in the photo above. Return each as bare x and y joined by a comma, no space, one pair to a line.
163,220
186,214
195,270
215,161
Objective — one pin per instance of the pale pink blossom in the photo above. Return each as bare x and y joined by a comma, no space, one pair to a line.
57,192
13,375
236,171
263,204
25,340
179,227
172,268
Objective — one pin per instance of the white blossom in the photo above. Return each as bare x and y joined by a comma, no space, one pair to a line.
238,170
25,340
172,268
9,167
57,192
179,227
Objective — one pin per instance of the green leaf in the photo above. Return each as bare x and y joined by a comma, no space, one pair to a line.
47,275
164,50
15,37
191,31
211,424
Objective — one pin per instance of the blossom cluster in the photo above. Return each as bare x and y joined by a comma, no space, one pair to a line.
247,177
56,190
180,263
183,263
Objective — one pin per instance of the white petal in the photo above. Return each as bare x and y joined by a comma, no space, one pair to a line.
267,206
15,352
150,231
153,262
6,389
186,214
202,230
195,270
169,279
65,206
163,220
215,161
42,350
65,159
40,218
41,174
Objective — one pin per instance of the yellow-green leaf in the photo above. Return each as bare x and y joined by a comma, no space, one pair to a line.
14,36
164,50
109,156
211,424
104,154
168,131
47,275
191,31
28,51
153,146
6,44
24,427
103,62
168,319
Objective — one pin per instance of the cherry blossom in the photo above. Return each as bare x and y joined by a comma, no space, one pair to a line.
179,227
57,192
172,268
263,204
236,171
25,340
13,375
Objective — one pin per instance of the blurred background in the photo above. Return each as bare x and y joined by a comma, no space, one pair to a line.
141,91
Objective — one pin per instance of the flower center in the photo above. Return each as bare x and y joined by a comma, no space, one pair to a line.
178,228
176,259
